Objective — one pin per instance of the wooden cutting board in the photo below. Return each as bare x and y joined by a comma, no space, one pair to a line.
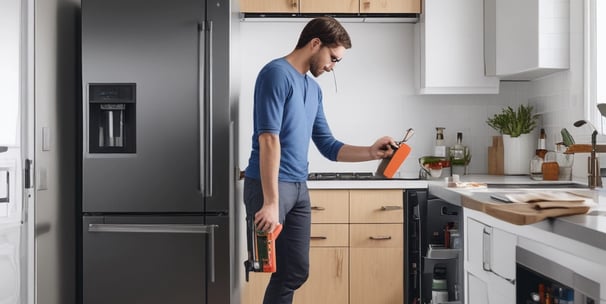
524,214
495,156
518,213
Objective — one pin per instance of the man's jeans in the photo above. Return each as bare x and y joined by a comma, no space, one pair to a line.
292,245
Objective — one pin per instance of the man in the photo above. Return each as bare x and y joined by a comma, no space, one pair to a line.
288,112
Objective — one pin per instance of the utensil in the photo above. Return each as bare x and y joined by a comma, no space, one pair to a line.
409,133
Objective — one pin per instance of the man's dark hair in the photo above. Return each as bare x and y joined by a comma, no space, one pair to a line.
328,30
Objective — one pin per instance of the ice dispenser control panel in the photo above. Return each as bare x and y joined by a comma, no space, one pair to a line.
112,118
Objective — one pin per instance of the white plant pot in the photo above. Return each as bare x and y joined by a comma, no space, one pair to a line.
517,152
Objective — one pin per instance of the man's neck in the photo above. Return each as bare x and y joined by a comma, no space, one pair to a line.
299,61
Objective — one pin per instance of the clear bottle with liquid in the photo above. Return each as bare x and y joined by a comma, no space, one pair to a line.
439,148
457,152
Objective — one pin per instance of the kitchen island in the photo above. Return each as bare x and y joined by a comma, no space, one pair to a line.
569,250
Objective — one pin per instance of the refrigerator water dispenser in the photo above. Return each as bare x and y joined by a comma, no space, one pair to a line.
112,119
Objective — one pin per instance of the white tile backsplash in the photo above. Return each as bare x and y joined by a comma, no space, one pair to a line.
375,95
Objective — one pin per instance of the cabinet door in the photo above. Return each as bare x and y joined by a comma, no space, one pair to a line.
477,291
328,277
377,264
274,6
390,6
490,254
254,290
526,39
334,6
449,55
376,206
329,206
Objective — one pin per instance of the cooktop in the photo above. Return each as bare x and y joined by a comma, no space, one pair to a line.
350,176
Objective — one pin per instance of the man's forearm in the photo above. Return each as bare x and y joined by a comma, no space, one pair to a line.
269,158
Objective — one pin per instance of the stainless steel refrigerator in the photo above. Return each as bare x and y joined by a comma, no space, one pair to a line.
156,168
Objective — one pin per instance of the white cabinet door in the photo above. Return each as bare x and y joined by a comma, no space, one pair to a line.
490,263
526,39
450,49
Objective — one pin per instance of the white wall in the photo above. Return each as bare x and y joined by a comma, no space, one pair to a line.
375,95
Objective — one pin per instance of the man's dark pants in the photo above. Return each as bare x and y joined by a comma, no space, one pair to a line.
292,245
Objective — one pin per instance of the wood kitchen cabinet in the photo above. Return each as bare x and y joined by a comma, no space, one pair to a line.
449,49
376,246
266,6
331,7
390,6
357,252
335,6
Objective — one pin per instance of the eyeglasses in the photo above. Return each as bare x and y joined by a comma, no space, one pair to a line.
333,58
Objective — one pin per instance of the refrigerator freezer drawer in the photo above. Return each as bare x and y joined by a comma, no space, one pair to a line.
146,259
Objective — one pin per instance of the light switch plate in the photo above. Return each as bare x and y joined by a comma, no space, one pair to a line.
45,139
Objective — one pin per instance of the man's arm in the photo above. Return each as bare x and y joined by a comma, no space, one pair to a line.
269,157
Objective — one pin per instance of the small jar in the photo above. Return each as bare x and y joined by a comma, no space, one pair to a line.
536,168
551,171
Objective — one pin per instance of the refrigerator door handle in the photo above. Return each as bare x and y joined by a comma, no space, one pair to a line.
152,228
165,228
205,101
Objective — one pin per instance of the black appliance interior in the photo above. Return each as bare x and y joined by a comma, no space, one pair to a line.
560,282
426,218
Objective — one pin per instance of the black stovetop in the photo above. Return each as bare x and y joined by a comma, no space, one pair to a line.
350,176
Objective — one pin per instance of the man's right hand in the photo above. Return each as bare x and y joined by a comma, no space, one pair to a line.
267,218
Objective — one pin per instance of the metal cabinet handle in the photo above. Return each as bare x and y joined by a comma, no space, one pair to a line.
164,228
339,263
390,208
8,189
380,237
317,208
3,149
486,246
294,3
487,254
318,237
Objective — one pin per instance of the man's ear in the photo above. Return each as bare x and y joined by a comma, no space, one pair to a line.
315,43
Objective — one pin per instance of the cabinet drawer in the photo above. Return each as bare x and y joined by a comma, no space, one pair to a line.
329,206
329,235
376,206
376,235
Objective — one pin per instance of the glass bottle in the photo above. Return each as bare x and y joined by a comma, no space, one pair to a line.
457,152
439,148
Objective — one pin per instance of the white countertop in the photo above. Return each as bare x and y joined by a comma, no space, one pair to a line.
587,228
368,184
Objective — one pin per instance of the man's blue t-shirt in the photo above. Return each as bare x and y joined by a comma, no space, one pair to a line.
289,104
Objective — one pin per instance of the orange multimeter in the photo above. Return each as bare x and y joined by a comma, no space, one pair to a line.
263,255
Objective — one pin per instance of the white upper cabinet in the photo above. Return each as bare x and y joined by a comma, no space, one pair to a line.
526,39
449,49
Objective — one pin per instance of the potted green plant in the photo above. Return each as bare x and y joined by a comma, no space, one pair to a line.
518,145
514,122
